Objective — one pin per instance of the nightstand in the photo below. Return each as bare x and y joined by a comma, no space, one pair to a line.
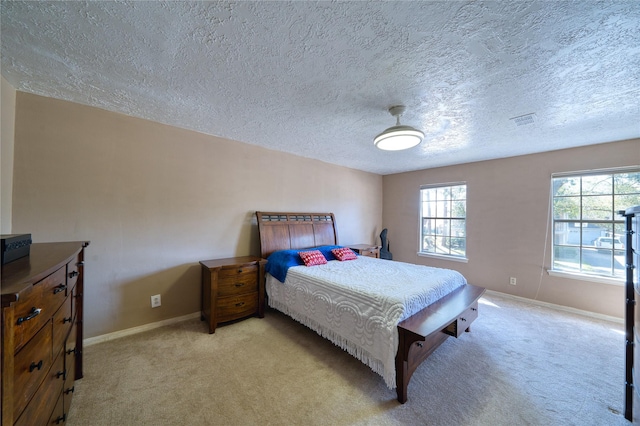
232,289
366,250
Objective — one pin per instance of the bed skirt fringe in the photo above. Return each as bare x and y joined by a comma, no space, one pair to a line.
376,365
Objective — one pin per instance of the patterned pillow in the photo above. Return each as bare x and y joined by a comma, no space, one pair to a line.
312,257
344,253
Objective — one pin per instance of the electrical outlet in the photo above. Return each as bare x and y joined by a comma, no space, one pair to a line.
512,281
155,301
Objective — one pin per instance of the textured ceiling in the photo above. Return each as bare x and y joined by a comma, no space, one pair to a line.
316,78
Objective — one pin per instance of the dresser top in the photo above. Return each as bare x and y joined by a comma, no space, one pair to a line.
43,260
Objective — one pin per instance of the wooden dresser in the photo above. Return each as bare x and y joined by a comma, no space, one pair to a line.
232,288
42,333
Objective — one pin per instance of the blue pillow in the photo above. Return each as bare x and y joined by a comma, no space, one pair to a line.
279,262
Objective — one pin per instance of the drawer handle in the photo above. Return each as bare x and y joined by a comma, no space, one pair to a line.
61,373
239,271
59,288
70,390
239,304
239,284
419,344
463,319
474,309
61,419
73,274
35,366
65,320
71,351
32,314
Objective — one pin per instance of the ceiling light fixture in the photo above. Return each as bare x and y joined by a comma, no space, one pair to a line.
398,137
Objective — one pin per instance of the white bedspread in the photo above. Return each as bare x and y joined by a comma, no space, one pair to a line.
358,304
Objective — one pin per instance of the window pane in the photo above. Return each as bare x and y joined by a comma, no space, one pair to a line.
458,228
443,209
429,209
566,208
444,193
428,226
566,259
592,231
623,202
429,243
459,209
566,186
597,207
442,226
459,192
566,233
627,183
428,195
599,184
597,261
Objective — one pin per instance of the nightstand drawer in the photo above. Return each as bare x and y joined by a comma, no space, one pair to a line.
366,250
230,308
369,252
237,280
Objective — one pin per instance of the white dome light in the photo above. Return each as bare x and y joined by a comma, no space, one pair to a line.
398,137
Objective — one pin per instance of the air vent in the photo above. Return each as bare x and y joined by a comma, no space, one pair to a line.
524,120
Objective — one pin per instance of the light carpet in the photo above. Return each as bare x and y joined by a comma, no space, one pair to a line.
521,364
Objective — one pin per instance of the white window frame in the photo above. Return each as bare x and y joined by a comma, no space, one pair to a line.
584,244
450,255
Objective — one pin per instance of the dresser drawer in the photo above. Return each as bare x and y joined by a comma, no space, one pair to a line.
62,322
69,367
38,306
48,397
73,271
463,321
234,307
31,365
237,280
59,415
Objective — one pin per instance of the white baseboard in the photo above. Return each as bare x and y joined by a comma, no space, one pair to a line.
135,330
559,307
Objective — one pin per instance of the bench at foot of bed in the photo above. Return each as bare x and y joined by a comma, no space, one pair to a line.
422,333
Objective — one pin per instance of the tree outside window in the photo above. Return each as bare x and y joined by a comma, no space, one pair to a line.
588,232
443,212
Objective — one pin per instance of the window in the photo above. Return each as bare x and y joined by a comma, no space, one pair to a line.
443,216
588,232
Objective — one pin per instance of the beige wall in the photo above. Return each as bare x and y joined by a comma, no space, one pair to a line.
507,223
7,132
155,199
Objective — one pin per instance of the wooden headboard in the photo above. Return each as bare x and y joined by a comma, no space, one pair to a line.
285,231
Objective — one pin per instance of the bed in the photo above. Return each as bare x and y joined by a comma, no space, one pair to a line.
407,316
